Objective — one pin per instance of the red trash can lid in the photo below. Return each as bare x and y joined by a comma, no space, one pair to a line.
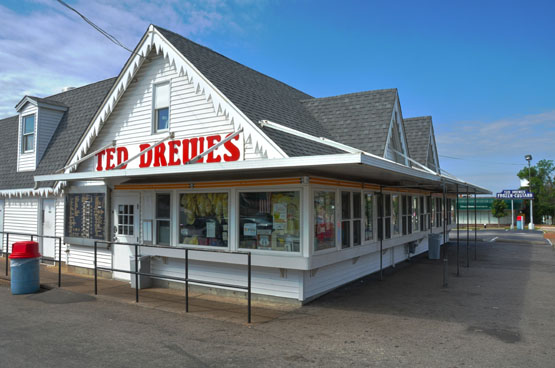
25,249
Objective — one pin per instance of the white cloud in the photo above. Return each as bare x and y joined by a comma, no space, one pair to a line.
50,47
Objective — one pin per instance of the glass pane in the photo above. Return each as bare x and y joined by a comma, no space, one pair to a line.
380,227
29,142
131,207
324,220
387,203
395,214
163,206
29,124
203,219
163,232
345,205
356,205
356,232
120,208
270,220
369,218
131,230
162,116
345,234
120,229
388,227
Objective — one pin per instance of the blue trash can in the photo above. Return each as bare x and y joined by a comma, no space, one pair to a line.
25,267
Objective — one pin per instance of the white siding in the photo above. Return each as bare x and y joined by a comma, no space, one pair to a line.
265,281
46,126
21,216
81,256
190,114
26,161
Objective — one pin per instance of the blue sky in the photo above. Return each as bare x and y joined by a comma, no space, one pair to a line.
484,70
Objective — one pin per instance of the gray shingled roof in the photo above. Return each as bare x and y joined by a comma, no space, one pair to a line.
82,104
360,120
258,96
417,131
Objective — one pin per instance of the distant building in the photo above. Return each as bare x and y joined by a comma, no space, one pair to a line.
483,211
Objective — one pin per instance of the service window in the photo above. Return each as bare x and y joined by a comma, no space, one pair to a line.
203,219
380,198
429,210
163,219
345,219
351,222
368,216
395,220
415,213
422,205
357,221
269,221
324,220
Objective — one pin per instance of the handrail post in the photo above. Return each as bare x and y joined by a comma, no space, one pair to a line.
249,290
59,262
32,237
136,273
95,275
186,280
7,251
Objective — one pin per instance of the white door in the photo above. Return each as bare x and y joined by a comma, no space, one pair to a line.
126,230
48,245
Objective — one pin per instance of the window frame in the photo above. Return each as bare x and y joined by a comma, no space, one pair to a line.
365,218
171,219
178,244
237,213
352,219
25,135
336,216
398,217
155,129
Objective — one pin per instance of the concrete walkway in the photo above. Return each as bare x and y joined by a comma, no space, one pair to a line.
203,305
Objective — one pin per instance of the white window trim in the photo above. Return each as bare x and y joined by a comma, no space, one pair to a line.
154,126
23,134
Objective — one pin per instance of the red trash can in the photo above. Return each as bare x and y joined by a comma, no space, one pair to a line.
25,267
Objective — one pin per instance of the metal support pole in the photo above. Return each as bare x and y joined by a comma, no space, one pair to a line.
250,286
32,238
475,229
186,280
512,215
458,231
445,259
136,273
59,262
467,230
380,204
95,271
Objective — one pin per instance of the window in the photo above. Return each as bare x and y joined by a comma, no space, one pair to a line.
126,219
324,220
380,216
369,216
387,218
439,214
405,213
28,138
423,221
163,211
395,220
415,213
161,107
203,219
270,221
429,209
351,219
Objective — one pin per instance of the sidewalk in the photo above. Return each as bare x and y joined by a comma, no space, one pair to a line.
169,300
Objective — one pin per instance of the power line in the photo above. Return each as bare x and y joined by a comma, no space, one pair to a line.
489,162
102,32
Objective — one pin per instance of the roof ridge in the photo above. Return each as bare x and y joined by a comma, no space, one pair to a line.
418,117
351,94
233,61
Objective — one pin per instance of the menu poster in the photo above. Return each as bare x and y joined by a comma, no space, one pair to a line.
280,216
85,215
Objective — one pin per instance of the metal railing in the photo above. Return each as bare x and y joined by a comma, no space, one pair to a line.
185,279
33,236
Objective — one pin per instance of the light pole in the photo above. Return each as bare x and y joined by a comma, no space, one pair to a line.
531,224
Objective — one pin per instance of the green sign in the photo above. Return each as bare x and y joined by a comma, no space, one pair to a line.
485,203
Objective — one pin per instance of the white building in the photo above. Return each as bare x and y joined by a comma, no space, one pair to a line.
232,160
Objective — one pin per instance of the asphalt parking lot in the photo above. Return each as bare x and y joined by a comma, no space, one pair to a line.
499,313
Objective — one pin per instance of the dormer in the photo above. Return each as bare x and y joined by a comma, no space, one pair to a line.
38,120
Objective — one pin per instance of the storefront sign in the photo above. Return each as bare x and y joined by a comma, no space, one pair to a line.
515,194
172,153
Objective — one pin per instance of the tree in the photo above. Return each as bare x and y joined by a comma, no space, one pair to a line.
542,184
498,208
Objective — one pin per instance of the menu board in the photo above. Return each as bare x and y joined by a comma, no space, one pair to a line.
86,215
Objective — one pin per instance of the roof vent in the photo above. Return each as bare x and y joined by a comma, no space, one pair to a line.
65,89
